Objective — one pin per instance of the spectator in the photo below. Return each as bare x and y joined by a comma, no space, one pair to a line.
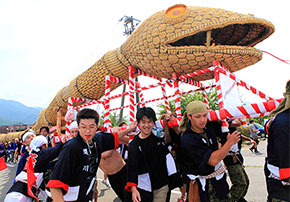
17,150
277,166
13,148
2,149
8,152
254,135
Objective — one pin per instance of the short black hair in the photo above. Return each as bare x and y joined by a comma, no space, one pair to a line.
44,127
251,121
146,111
88,113
122,123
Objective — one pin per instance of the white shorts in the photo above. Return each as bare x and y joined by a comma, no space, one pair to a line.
16,196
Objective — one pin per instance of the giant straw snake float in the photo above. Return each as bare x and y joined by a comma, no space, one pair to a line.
180,39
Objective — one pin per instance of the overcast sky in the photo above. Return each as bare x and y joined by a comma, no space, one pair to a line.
45,44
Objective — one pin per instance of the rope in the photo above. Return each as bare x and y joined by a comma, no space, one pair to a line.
285,61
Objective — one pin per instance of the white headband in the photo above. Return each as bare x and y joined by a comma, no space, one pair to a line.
37,142
74,124
26,134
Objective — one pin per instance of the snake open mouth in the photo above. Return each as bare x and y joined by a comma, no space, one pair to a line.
235,34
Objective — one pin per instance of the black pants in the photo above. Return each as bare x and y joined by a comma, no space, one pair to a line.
118,182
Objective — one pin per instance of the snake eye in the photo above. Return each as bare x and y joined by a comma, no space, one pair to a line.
176,11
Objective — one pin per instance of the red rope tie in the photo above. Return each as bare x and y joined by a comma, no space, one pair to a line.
286,61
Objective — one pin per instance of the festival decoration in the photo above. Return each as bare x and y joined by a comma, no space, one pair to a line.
166,43
175,45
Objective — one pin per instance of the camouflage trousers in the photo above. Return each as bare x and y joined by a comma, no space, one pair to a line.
240,181
213,197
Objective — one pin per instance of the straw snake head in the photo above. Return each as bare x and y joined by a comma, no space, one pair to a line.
181,39
184,39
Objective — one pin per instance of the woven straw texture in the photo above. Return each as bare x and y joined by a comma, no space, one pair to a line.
163,45
10,136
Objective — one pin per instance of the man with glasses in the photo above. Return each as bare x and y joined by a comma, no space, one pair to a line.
74,173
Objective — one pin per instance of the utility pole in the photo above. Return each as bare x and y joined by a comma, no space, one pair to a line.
130,24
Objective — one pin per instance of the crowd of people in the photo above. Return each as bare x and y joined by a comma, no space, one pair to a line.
191,154
12,150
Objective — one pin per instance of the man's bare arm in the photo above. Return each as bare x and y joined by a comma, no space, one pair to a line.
124,140
221,153
249,139
56,194
131,128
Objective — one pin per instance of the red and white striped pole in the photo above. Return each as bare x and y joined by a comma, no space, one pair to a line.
67,121
203,71
226,72
197,84
250,110
139,89
132,93
152,86
165,99
141,95
70,108
92,102
118,80
205,99
162,98
177,96
224,123
244,84
140,72
107,121
192,82
244,122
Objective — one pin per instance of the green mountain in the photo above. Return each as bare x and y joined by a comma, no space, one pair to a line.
13,112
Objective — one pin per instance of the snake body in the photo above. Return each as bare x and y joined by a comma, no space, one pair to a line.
180,39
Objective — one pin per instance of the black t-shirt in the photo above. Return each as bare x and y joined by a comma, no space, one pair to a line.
148,155
77,165
196,150
155,155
